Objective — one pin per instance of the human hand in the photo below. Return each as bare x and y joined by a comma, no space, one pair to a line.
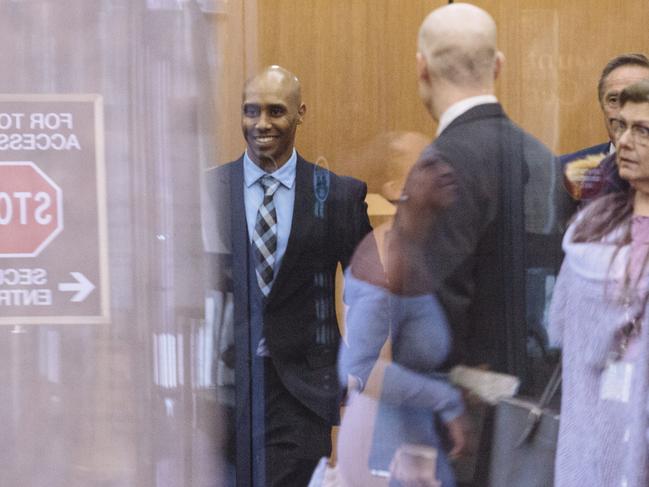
415,466
458,434
430,185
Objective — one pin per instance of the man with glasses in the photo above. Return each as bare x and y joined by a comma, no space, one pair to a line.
620,72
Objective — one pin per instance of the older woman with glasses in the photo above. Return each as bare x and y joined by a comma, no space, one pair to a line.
598,316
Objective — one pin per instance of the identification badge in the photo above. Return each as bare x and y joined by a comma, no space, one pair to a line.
616,382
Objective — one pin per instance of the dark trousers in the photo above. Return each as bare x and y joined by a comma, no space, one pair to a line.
295,438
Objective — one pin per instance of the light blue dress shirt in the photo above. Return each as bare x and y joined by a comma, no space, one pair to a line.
284,199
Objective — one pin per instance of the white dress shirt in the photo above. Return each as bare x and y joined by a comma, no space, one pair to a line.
460,107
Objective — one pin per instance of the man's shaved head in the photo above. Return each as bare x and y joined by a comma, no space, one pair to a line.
271,110
281,79
458,42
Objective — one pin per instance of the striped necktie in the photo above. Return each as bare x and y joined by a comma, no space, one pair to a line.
264,237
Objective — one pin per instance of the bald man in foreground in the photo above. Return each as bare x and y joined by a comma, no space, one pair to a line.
286,224
507,215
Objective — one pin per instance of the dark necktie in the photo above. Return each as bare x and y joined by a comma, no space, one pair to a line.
264,239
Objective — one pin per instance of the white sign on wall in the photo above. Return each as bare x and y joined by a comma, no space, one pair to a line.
53,228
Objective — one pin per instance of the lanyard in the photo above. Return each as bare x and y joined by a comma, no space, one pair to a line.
631,329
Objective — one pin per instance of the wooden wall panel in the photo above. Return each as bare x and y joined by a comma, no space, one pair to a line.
356,62
235,35
555,52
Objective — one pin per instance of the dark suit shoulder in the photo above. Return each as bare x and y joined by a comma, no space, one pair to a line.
352,182
343,186
223,170
599,149
339,177
479,113
349,188
485,134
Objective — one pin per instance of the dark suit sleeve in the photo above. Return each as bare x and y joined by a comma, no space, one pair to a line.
357,222
215,218
458,230
463,242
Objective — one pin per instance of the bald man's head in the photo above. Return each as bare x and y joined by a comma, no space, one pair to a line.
271,110
281,79
458,43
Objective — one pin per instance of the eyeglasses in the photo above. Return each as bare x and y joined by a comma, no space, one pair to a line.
639,133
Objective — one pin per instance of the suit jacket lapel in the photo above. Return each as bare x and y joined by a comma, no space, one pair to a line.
301,224
239,231
239,242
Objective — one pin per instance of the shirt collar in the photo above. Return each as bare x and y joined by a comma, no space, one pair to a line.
460,107
285,174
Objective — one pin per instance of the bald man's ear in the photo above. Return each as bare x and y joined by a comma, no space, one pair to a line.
422,68
301,112
498,64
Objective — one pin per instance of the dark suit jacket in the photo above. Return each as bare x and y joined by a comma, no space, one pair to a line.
300,326
510,209
598,181
599,149
602,180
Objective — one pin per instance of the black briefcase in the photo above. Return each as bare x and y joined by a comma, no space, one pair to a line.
524,440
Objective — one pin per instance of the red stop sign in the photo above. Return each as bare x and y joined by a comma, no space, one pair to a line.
31,209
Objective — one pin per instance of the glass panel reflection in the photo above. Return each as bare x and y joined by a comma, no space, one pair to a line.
108,379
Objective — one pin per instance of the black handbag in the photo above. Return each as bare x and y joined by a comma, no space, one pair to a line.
524,440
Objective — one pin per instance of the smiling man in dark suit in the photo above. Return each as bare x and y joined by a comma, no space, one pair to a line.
287,224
